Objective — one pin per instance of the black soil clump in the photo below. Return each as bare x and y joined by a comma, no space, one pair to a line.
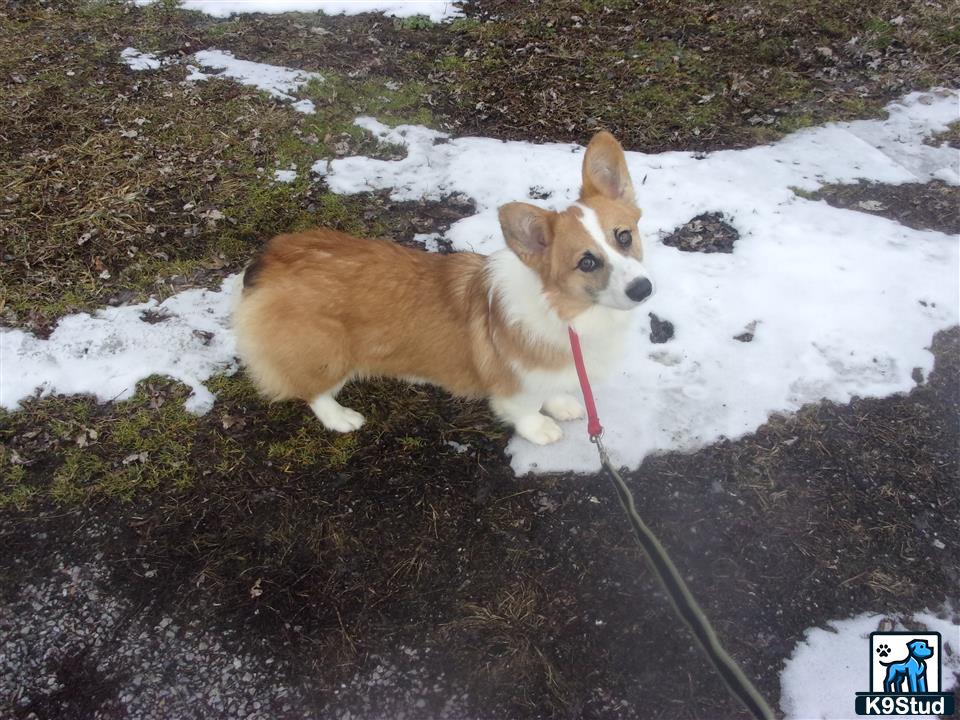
660,330
922,206
706,233
412,217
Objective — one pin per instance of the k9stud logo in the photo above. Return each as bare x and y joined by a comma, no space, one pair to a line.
905,676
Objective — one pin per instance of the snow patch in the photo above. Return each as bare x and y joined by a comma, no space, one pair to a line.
105,354
429,241
305,106
280,82
844,303
285,176
825,671
436,10
137,60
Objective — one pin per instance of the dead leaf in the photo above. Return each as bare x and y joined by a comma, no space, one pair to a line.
228,421
256,591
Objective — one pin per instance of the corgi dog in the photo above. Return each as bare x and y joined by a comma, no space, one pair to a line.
320,308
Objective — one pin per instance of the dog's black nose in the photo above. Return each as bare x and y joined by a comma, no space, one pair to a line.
639,289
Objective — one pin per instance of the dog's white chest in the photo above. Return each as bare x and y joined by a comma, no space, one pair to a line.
602,334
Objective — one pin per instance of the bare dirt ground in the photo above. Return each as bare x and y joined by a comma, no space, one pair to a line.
247,564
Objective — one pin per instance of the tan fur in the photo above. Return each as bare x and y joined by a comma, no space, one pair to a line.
605,172
326,307
321,307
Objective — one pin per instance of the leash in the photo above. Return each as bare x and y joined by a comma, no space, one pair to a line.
680,596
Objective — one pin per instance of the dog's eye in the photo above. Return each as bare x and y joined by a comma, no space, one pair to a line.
588,263
624,238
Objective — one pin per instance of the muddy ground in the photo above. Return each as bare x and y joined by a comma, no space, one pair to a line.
247,564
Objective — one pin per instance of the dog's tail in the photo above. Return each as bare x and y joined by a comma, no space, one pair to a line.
252,270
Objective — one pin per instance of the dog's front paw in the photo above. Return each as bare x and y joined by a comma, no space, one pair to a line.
564,408
539,429
336,417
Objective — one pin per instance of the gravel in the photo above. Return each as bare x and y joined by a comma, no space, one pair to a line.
74,646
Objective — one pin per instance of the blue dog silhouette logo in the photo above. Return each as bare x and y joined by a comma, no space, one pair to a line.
909,674
905,669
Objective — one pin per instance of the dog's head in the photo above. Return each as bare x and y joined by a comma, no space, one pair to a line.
920,649
591,253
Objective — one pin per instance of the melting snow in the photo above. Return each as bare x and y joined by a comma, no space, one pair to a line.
436,10
186,337
827,669
276,80
305,106
140,60
285,176
842,303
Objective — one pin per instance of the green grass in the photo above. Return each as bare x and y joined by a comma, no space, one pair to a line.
14,492
880,33
98,211
91,451
73,450
311,446
681,76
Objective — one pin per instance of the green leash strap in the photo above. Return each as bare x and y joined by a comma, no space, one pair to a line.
683,601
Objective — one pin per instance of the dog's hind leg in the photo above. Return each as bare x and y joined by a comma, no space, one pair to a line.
332,414
891,682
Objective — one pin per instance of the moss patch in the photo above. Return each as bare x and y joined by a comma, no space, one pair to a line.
74,450
86,452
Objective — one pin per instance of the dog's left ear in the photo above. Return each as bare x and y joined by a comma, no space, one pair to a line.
605,170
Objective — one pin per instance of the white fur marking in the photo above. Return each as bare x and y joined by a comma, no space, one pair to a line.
335,416
564,408
520,293
539,429
591,223
523,412
624,269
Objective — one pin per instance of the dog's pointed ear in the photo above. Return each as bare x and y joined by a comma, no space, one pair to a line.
527,229
605,170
